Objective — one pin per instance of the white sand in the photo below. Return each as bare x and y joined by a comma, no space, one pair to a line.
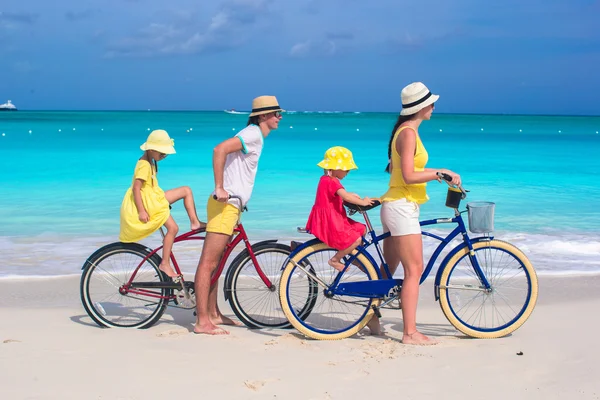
50,349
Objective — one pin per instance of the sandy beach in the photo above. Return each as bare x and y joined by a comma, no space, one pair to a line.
50,349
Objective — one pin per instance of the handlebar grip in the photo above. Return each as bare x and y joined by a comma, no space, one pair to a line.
230,196
444,176
448,178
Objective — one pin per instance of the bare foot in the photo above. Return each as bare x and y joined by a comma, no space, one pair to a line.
198,225
223,320
417,338
336,264
167,269
375,327
209,329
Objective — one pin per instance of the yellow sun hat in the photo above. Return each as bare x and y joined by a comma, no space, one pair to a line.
160,141
338,157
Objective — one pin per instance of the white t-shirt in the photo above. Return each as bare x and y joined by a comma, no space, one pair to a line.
241,166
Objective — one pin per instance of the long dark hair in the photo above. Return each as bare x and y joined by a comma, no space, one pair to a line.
401,119
255,120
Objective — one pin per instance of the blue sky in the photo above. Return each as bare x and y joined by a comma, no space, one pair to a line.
514,56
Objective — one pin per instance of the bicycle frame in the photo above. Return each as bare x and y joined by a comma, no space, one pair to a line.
382,287
239,235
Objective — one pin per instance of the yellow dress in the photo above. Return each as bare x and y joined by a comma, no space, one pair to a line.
398,189
155,203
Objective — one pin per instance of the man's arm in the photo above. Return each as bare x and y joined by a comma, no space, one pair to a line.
219,156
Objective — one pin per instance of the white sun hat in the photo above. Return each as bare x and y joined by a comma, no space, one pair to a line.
416,97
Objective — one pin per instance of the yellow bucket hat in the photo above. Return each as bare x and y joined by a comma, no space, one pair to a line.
160,141
338,157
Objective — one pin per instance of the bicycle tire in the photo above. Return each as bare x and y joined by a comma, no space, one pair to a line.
99,269
306,322
263,310
453,286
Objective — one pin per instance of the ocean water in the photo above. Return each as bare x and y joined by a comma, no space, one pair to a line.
63,176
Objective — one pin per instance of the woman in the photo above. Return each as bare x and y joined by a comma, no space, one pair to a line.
400,209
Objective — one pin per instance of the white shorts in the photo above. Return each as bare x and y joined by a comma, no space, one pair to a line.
400,217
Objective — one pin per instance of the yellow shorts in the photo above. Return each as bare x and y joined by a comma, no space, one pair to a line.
222,217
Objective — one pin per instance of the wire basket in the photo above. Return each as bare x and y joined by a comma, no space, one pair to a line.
481,216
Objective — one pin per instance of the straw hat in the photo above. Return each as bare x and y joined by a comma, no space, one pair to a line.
264,105
338,157
416,97
160,141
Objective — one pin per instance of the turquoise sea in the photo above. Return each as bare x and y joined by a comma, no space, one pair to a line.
63,176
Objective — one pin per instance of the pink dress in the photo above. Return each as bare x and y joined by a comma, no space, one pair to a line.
328,220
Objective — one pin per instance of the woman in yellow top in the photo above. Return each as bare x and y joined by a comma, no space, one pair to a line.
400,208
145,207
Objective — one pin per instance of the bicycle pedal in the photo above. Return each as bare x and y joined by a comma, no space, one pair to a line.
179,279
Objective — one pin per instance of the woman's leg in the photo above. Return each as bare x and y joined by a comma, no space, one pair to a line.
185,193
411,256
165,265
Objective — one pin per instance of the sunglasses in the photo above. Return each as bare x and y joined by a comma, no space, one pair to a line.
277,114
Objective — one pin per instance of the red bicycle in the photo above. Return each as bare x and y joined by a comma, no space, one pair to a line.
122,286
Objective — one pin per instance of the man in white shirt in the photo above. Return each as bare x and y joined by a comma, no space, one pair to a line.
235,162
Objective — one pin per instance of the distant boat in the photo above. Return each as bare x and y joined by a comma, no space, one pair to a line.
8,106
233,111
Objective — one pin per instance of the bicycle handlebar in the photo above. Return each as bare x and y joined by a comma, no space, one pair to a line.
234,196
447,178
231,196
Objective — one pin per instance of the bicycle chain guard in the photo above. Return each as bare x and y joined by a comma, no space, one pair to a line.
185,298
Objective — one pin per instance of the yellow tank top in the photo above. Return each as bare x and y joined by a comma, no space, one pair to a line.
399,189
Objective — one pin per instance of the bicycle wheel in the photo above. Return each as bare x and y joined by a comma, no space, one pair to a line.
255,304
101,287
330,317
493,313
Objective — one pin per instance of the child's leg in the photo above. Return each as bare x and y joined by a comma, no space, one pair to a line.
165,265
185,193
335,260
356,262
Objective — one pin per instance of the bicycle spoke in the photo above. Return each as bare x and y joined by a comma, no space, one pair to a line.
104,279
494,308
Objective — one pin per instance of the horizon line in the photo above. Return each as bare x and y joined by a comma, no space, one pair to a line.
292,112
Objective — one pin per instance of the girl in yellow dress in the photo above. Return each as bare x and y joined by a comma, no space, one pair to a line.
145,207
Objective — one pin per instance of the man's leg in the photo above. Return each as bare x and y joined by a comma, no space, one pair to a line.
214,245
215,314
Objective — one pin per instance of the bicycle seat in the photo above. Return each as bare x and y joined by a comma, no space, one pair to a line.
354,207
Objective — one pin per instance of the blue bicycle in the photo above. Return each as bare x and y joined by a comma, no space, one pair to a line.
487,288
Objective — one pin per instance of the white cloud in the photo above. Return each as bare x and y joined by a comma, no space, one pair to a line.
228,28
314,48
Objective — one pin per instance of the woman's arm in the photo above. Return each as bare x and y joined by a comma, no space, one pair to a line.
406,146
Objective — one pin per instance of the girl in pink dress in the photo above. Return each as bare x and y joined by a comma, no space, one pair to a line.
328,220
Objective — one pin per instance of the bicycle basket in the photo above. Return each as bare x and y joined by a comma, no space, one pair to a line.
481,216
